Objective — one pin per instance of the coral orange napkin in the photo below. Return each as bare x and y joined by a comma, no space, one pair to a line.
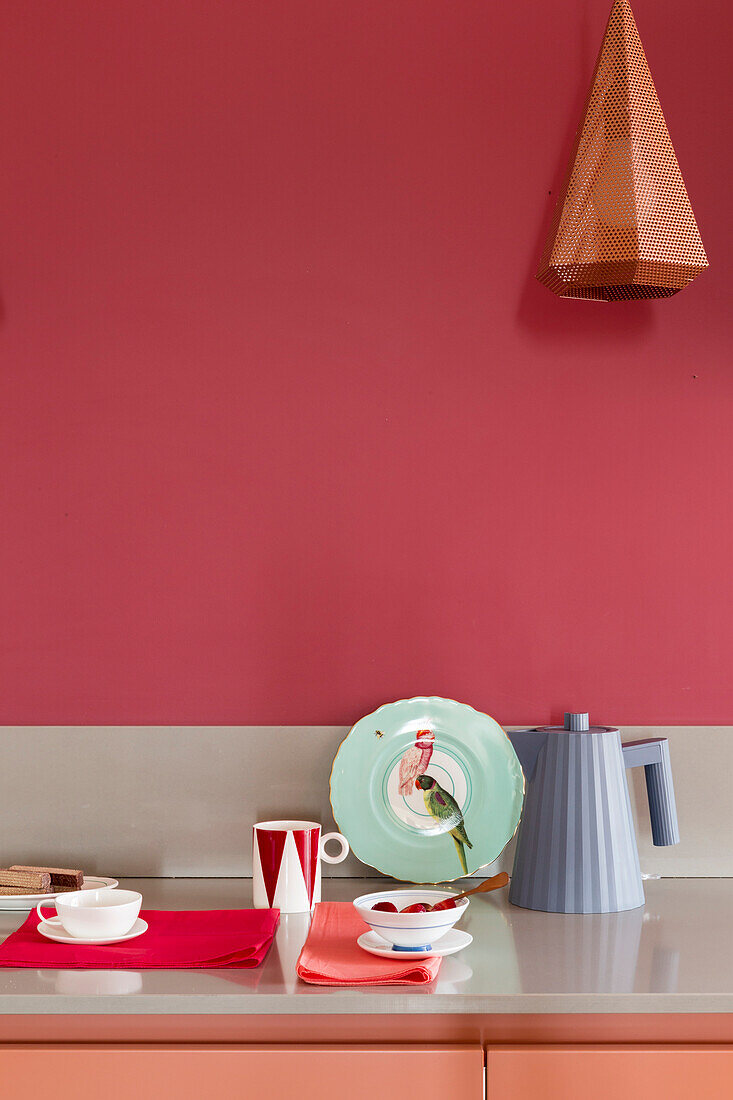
174,941
331,955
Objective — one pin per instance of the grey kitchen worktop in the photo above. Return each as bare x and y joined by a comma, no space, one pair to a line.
672,956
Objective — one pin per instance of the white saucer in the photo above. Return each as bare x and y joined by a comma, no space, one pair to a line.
452,941
51,932
23,902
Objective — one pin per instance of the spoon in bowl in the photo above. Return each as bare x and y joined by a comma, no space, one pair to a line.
484,887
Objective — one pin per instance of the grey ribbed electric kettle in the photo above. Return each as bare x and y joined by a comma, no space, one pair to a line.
576,846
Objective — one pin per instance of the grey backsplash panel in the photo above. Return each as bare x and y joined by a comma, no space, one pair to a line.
181,800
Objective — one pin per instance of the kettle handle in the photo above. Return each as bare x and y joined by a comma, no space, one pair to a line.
654,755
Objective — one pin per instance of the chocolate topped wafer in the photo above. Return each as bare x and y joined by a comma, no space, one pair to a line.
62,879
25,882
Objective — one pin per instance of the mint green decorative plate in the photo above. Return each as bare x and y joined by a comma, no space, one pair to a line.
427,789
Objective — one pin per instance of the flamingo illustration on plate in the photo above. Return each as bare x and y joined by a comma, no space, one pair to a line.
415,761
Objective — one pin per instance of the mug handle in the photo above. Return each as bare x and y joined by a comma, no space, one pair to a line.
342,854
55,922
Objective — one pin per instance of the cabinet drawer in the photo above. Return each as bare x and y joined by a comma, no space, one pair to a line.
157,1072
609,1072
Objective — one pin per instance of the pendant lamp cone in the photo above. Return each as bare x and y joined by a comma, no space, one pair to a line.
623,226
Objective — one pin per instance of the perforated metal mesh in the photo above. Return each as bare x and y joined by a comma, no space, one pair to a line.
623,226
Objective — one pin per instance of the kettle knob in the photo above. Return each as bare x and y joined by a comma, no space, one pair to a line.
576,722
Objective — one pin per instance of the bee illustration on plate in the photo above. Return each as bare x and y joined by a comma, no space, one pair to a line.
378,733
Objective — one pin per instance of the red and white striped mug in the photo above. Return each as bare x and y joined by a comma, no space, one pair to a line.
286,864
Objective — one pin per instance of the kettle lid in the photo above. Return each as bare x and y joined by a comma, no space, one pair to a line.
578,722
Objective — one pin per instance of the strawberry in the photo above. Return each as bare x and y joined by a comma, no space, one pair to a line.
418,907
446,903
385,907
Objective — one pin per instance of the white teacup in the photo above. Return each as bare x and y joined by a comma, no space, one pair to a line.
94,914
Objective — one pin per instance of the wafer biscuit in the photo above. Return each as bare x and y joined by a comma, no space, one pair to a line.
18,891
29,882
62,879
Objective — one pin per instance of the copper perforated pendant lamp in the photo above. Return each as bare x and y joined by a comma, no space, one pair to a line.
623,226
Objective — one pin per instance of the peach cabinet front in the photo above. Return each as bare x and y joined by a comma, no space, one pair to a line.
135,1072
609,1072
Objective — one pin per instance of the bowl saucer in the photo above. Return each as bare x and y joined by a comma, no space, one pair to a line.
448,944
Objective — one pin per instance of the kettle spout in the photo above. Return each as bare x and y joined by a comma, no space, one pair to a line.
527,745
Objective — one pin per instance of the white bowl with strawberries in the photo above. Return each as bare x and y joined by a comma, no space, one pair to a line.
412,918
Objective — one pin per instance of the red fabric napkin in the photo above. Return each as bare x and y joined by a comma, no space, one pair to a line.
331,955
174,941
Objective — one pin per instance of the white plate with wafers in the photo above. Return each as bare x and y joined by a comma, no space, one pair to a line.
24,902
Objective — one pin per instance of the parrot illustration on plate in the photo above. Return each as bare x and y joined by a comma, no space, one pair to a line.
443,808
415,761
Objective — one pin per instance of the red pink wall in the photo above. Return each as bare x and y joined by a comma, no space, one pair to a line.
289,429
